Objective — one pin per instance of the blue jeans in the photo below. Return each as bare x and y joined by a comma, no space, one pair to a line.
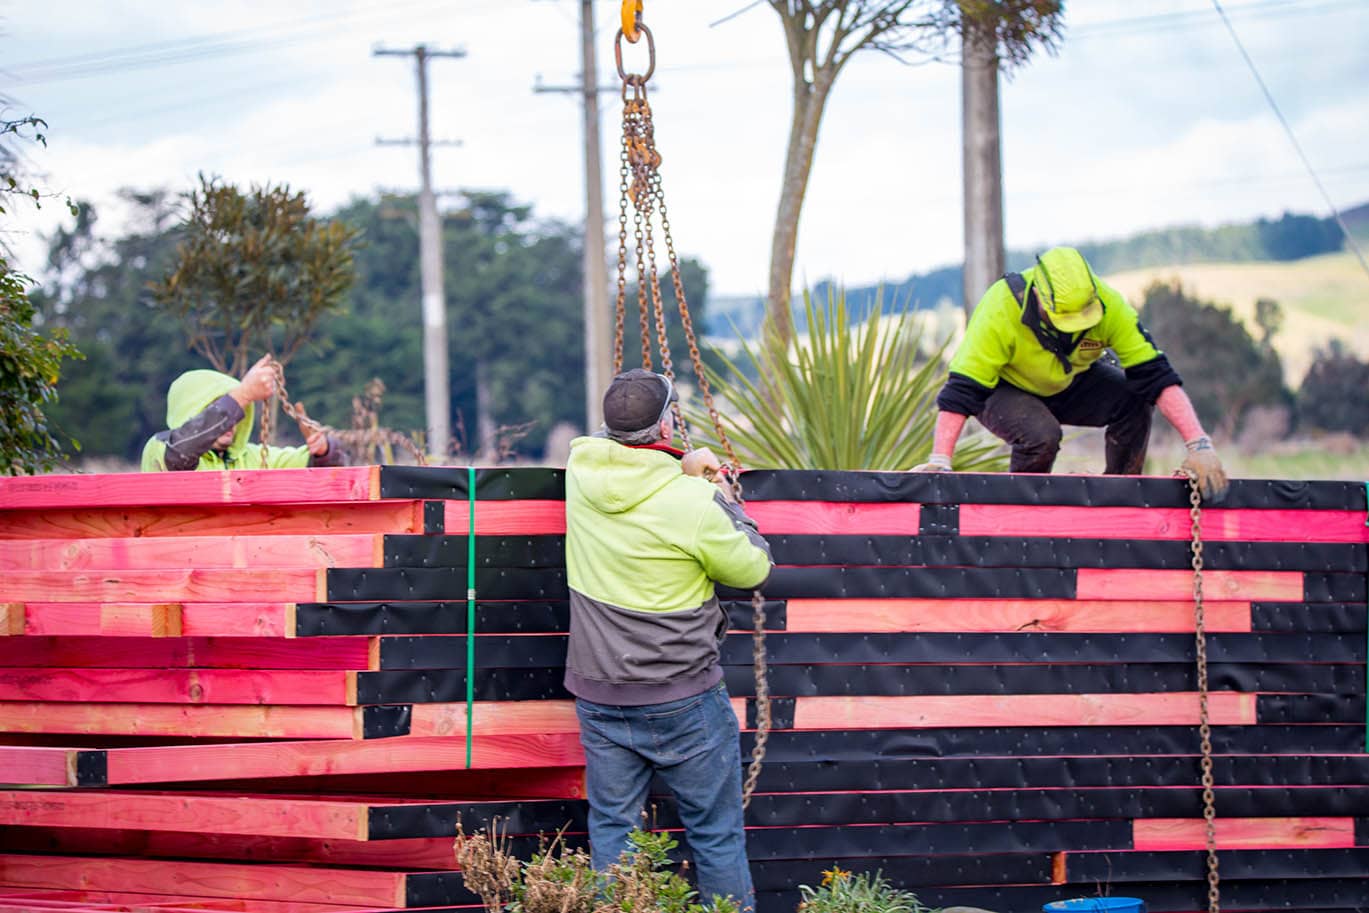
692,743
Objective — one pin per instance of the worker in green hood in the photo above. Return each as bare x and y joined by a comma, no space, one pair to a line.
1033,359
209,421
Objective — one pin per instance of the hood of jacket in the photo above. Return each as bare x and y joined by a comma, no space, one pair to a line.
614,478
193,391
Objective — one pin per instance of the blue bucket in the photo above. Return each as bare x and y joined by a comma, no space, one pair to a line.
1097,905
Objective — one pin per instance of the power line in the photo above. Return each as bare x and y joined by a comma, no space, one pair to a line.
1292,138
735,13
199,47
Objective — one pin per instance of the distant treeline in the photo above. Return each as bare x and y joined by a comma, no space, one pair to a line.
514,320
1290,237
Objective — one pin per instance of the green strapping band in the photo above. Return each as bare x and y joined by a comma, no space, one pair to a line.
470,612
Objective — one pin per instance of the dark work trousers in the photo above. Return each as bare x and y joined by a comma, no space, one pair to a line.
1098,398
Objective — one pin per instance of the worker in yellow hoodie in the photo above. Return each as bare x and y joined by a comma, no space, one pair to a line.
649,531
1032,360
209,421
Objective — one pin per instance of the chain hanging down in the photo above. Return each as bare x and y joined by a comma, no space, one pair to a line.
640,186
1195,500
308,426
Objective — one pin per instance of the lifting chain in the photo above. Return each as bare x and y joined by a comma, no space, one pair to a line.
308,426
640,185
1195,500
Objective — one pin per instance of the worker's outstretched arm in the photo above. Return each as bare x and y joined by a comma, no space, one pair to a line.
1202,461
948,428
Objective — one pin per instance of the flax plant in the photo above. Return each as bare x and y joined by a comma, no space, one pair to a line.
841,397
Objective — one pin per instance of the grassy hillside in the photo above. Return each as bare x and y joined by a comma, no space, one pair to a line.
1323,297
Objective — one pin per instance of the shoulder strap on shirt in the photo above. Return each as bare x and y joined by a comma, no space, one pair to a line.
1017,284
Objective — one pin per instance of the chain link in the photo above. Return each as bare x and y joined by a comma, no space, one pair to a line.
308,426
1195,500
640,184
623,173
753,770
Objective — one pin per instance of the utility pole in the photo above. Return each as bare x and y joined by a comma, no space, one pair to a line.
983,164
597,358
437,397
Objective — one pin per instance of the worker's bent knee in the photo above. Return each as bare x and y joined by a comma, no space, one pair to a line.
1041,438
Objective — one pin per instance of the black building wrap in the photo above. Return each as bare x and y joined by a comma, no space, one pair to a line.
986,815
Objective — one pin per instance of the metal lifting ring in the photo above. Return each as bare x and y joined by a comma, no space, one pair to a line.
651,56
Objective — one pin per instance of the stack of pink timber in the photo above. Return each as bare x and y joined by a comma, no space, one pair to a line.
148,658
249,690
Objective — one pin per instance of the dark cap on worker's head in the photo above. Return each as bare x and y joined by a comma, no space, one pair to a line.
637,400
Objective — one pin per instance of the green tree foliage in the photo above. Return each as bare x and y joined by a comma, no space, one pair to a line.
513,317
514,306
513,300
1290,237
30,363
841,397
1225,370
1335,394
513,289
255,272
97,290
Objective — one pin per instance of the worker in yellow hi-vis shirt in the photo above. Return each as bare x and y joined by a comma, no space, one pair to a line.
1031,362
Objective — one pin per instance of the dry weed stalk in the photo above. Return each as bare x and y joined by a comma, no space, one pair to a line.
487,866
564,883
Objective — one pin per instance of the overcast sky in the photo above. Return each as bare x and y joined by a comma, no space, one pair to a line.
1147,117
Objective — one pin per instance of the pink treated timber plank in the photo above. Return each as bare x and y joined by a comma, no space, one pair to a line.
27,899
518,719
262,760
24,765
1233,586
408,852
267,816
531,518
1154,834
172,720
127,619
1164,523
252,486
338,653
238,619
190,552
835,518
507,518
1009,615
935,711
495,718
179,686
206,879
177,585
107,619
343,517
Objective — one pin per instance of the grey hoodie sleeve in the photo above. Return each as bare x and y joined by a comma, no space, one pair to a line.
186,444
336,455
